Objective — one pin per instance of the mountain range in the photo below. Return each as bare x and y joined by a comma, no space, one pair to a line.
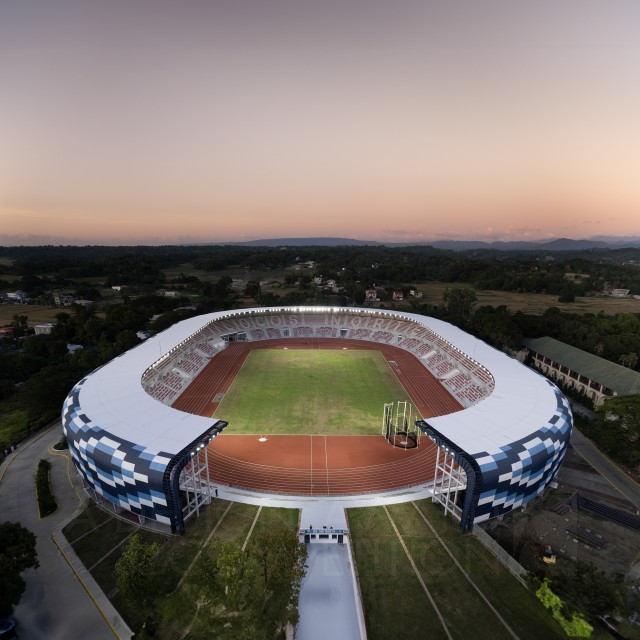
559,244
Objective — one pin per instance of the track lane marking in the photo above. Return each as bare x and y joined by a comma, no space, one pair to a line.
326,464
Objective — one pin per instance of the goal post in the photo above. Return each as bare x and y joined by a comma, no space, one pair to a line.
387,419
398,424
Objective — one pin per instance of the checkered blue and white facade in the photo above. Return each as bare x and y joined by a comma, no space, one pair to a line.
521,470
123,472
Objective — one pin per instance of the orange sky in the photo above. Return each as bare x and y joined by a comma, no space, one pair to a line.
197,121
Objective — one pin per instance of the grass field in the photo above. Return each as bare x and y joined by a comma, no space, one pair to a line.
396,606
35,313
533,303
313,392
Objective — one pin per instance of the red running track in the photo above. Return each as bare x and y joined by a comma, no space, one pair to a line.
317,465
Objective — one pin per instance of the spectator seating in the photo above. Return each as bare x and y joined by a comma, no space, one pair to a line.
163,393
326,332
207,349
471,394
466,379
425,349
410,344
458,381
173,380
442,368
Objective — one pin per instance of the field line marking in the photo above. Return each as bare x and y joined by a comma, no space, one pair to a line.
311,465
86,533
205,544
326,462
106,555
418,575
511,632
253,524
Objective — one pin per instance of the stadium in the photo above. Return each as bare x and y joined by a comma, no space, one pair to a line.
482,432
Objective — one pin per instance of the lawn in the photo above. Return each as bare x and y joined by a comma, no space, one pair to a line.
330,392
396,607
394,604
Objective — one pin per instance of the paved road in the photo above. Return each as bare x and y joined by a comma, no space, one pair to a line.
607,469
60,602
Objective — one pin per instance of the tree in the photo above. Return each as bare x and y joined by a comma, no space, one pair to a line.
629,360
575,626
290,279
585,588
134,571
281,564
223,287
235,571
617,428
567,293
20,325
259,587
497,327
17,553
459,301
253,289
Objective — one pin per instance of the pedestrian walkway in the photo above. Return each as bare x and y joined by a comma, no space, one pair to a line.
329,602
330,605
61,600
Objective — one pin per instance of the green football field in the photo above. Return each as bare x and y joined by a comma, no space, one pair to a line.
330,392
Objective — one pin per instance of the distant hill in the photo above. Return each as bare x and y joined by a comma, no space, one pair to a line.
560,244
618,242
306,242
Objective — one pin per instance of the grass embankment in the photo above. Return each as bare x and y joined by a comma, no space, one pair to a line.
330,392
46,501
100,539
394,601
14,427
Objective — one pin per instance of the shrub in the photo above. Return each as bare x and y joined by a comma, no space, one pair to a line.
46,501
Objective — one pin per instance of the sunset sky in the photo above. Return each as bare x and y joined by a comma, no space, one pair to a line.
144,121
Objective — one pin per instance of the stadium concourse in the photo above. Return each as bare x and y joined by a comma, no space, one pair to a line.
494,432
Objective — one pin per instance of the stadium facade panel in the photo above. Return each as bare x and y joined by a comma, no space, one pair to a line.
131,447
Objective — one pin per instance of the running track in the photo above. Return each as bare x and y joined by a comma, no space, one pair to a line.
317,465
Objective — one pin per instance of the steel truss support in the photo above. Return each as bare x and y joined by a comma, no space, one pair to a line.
448,480
194,482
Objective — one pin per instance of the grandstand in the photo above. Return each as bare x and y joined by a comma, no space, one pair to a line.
134,450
